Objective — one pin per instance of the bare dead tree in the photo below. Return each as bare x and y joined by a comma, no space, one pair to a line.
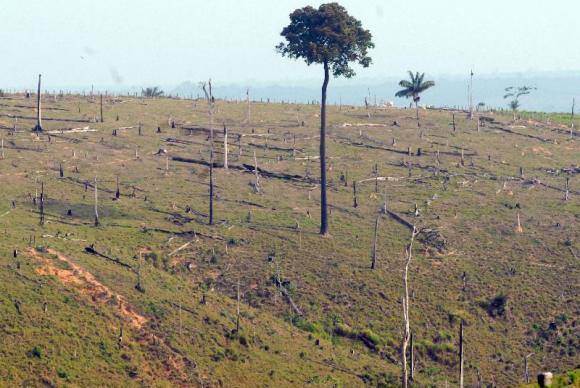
519,228
211,186
470,97
461,356
567,189
374,250
41,204
118,191
526,370
96,204
207,90
453,123
407,323
38,127
257,183
238,308
225,147
102,118
412,358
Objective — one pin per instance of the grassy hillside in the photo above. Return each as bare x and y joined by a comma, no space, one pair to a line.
62,309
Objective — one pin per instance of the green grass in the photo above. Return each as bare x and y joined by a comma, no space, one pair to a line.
350,332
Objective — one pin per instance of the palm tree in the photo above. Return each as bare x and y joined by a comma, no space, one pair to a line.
413,88
514,94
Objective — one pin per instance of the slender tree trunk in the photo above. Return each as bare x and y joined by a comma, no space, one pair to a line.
323,200
225,147
257,185
96,204
526,368
211,185
407,329
102,119
412,359
417,111
238,308
461,355
38,127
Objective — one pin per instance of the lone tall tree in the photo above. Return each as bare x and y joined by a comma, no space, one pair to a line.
329,36
413,88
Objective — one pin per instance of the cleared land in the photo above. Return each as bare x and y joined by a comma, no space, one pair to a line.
62,309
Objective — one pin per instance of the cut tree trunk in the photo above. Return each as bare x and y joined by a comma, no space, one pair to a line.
323,199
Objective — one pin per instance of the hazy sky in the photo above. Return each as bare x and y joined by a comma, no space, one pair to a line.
146,42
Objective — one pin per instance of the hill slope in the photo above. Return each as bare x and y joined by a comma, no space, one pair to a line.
311,309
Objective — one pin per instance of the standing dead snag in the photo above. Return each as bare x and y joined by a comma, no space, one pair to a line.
38,126
96,204
210,105
374,252
211,187
407,330
238,308
102,119
257,183
118,191
412,359
461,360
41,203
225,147
567,189
526,370
519,228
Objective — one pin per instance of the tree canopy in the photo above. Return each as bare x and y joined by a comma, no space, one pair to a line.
327,35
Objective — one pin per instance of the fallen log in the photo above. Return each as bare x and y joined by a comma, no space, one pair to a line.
92,251
249,169
44,118
289,298
189,233
400,219
521,134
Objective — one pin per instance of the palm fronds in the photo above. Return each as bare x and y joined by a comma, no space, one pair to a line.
414,86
